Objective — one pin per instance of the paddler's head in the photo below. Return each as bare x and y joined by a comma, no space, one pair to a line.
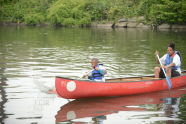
171,49
94,62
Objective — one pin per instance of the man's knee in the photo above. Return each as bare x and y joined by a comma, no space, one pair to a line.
168,69
157,69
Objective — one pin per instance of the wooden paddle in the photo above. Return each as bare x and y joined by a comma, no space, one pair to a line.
167,78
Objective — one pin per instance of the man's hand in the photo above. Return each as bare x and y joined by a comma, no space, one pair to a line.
85,75
156,53
165,67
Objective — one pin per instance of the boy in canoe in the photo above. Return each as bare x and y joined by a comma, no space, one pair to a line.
171,62
98,72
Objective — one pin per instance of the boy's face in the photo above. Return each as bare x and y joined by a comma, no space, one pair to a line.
170,51
93,63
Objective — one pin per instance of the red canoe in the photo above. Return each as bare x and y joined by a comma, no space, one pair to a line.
104,106
75,89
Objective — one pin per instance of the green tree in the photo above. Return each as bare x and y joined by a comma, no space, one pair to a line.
83,12
164,11
68,12
97,9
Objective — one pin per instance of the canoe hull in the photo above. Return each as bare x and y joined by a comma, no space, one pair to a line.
75,89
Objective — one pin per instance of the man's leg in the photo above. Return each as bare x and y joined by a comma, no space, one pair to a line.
174,73
157,72
168,72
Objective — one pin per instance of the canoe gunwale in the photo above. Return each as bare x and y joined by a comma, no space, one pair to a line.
91,81
119,80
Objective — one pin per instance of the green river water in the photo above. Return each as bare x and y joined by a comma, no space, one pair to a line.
31,57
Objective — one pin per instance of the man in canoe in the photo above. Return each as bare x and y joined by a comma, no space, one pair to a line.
171,62
98,72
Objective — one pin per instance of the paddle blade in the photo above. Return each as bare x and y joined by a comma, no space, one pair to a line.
169,82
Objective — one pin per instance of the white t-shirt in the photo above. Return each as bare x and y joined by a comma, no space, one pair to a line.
176,61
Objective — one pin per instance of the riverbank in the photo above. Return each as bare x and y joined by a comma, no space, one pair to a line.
119,24
137,22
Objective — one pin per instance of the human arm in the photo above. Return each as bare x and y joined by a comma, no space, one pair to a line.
176,62
86,74
162,59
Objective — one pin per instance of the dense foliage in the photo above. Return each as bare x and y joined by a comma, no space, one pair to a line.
83,12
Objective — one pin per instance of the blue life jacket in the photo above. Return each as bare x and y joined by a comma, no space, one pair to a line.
96,74
169,60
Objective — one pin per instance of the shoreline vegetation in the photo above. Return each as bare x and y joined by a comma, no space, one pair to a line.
106,25
160,14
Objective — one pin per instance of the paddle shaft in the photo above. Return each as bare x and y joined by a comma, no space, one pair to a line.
85,75
161,65
167,78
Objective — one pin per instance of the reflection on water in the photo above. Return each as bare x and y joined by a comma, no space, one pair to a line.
3,99
31,57
151,107
3,96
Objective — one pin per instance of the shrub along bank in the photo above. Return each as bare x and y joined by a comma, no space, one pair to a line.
84,12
